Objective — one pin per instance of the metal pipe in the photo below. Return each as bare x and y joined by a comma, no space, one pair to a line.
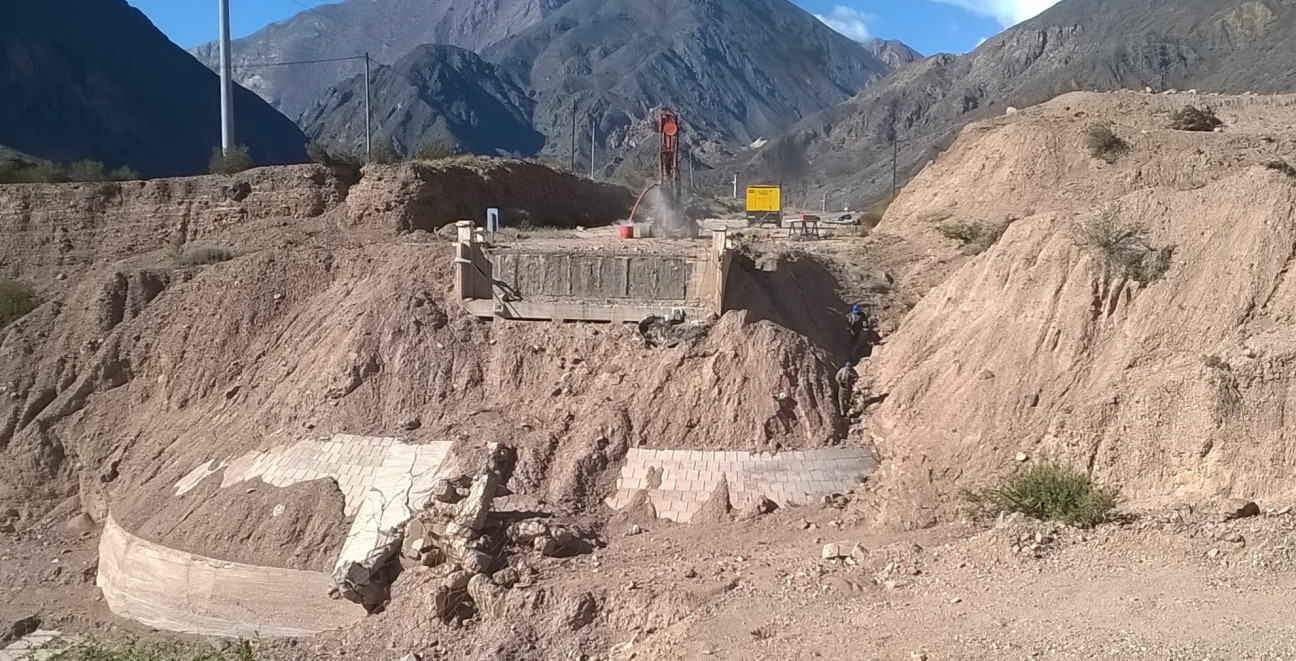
227,81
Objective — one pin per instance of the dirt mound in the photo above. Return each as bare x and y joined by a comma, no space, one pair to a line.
279,345
428,196
1171,389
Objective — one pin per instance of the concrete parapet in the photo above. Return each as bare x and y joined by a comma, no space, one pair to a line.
574,285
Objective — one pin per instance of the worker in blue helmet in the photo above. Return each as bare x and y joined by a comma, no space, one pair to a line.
846,378
855,323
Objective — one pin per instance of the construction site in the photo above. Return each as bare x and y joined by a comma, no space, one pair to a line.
482,409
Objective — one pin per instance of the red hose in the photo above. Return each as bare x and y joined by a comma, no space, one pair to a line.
636,206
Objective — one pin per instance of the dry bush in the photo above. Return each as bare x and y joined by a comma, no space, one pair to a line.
873,213
203,255
1102,142
383,152
974,238
1123,248
16,300
1049,491
436,149
1282,166
1191,118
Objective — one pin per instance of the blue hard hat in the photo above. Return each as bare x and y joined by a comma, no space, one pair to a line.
855,309
848,364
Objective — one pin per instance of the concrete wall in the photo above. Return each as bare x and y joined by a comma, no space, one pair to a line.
594,277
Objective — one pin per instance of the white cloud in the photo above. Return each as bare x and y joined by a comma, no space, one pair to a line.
1007,12
850,22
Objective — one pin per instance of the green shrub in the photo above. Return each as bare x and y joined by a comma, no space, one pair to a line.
16,300
1102,142
1050,491
1123,248
203,255
139,651
436,149
237,160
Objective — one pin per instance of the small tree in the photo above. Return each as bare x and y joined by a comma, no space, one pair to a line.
1192,118
236,160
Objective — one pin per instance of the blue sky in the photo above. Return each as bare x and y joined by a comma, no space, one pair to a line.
930,26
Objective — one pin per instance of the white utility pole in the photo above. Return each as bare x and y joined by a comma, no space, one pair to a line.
368,114
735,187
227,81
592,128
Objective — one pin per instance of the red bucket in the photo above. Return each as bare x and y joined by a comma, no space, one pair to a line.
627,231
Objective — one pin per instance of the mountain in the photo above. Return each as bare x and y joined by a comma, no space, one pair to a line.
1210,45
435,92
386,29
735,70
95,80
892,52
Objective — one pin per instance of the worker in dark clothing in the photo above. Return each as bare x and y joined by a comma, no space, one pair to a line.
846,378
855,322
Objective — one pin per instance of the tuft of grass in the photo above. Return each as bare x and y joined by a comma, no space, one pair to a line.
16,300
1191,118
203,255
974,238
237,160
1050,491
1123,247
1102,142
139,651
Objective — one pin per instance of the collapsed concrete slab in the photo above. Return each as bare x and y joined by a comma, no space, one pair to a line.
384,483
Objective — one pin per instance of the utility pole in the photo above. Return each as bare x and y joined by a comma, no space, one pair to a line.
368,114
735,196
823,208
227,82
573,138
592,129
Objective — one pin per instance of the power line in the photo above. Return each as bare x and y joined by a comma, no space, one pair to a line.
263,65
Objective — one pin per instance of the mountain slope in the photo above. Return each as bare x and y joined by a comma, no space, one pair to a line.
736,70
435,92
1228,46
96,80
387,29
